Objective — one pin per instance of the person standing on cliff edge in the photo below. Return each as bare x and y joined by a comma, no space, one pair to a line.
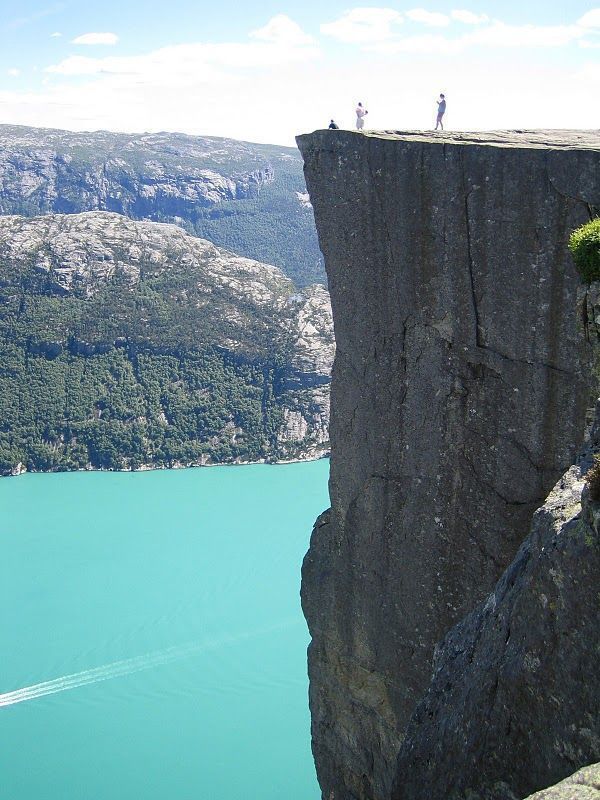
440,112
361,113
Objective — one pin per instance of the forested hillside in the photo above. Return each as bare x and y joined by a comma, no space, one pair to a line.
126,344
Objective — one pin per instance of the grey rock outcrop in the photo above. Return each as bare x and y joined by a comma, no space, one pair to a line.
247,197
459,348
80,253
308,375
514,703
584,785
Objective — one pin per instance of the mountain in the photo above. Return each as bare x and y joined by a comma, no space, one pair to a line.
127,344
250,198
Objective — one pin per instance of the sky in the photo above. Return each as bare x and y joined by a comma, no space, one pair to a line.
265,72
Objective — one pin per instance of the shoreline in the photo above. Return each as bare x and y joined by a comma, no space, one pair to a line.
20,469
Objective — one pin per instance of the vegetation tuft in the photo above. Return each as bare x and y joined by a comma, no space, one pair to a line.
584,244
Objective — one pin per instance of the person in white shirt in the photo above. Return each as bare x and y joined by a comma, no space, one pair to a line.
441,103
361,113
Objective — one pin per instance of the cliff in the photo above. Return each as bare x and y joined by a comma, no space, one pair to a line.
249,198
126,344
514,703
459,348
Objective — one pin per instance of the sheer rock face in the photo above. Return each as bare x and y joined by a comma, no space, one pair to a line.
458,349
514,704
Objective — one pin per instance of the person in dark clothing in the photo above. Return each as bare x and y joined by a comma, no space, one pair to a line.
333,126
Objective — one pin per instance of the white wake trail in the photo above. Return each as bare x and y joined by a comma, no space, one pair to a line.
128,666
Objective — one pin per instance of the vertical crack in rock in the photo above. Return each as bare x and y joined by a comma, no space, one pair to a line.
467,194
443,443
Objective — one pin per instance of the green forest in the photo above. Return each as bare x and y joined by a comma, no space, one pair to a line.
134,376
273,228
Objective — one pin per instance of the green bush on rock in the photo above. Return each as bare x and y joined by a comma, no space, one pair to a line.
584,244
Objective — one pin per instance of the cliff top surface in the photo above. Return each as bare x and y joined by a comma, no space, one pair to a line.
535,139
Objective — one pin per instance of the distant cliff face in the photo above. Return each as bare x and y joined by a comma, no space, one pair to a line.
126,344
459,350
249,198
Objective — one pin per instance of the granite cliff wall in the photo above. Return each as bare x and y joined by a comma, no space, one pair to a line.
514,703
459,346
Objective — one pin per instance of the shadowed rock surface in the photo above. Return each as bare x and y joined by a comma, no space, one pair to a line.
458,351
584,785
514,704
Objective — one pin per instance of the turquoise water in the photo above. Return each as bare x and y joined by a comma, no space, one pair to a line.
152,642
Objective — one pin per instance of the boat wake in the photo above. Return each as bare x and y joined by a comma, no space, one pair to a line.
128,666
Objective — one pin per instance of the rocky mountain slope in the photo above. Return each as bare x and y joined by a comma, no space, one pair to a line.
250,198
459,393
126,344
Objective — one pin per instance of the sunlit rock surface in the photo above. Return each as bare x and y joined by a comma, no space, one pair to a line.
250,198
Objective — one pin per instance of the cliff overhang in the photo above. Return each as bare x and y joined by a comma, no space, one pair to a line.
459,393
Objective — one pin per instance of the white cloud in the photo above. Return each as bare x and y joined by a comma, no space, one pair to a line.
13,72
495,35
468,17
589,73
377,31
257,105
427,17
280,42
591,19
96,38
282,30
363,25
187,63
501,35
82,65
55,35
